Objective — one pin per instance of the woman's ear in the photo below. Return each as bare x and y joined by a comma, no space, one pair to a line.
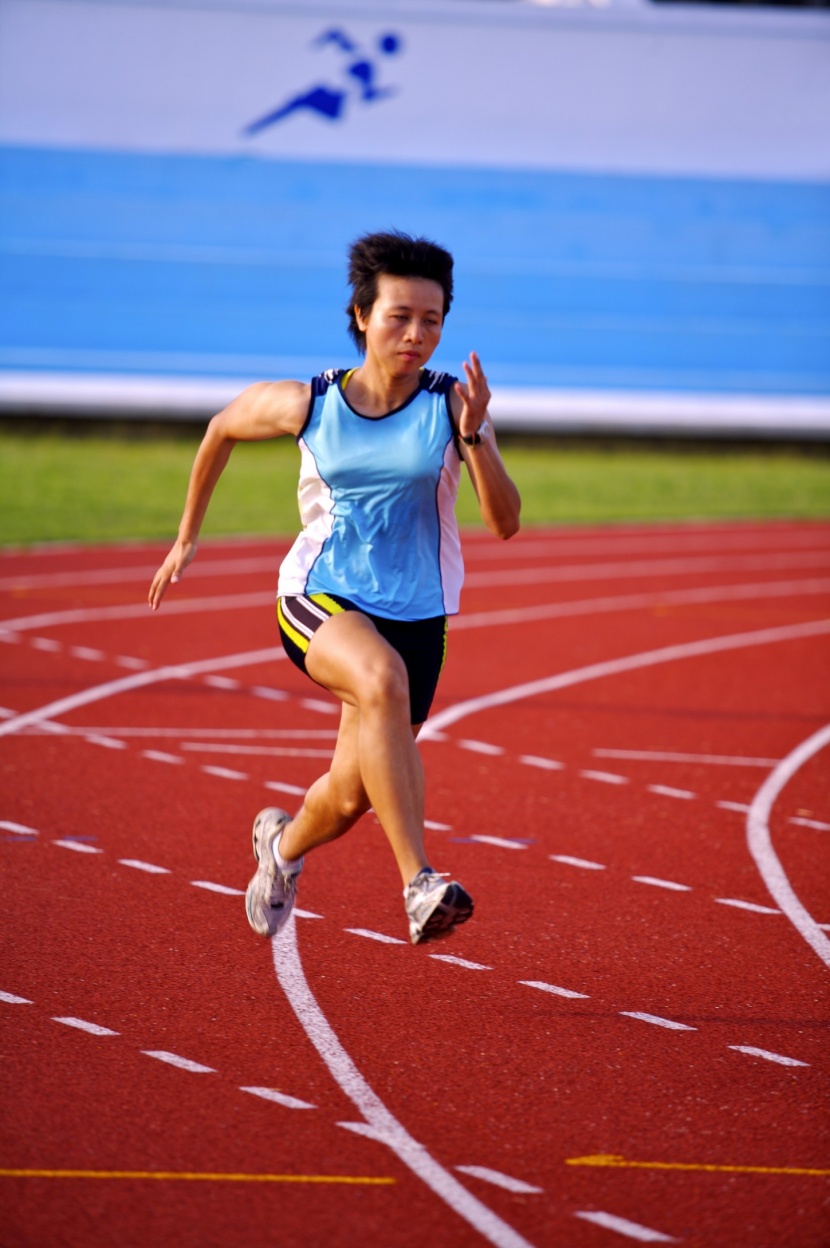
362,320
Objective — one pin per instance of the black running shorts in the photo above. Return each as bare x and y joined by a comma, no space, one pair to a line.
422,644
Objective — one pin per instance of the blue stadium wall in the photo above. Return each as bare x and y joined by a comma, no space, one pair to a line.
638,200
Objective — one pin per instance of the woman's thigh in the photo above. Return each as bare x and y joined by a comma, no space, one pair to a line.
348,656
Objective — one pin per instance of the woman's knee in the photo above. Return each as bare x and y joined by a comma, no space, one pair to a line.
384,682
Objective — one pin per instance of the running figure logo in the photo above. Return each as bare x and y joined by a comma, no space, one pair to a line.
360,73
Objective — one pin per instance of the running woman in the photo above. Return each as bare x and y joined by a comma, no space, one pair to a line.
366,589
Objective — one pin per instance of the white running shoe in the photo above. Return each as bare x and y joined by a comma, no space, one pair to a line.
270,896
435,906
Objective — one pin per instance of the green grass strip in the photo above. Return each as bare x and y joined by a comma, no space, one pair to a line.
93,488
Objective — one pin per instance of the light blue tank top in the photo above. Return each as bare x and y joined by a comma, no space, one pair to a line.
377,503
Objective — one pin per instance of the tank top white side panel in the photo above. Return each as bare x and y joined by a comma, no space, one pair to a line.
451,561
316,504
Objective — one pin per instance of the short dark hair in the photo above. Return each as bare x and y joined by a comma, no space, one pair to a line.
399,255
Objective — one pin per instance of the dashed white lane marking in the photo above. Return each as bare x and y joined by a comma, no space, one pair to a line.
317,704
378,1120
604,777
226,734
534,760
658,883
305,914
277,786
633,1230
740,807
89,653
222,682
21,829
271,751
745,905
437,827
666,790
108,743
657,1021
801,822
224,773
500,841
664,756
480,747
210,887
11,999
139,680
764,1053
384,940
47,644
499,1180
81,1024
79,847
759,841
279,1098
553,988
161,756
149,867
183,1063
585,863
271,695
470,966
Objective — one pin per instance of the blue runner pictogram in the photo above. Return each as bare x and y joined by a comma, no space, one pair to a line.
360,72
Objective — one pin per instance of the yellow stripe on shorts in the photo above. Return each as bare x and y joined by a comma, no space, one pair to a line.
299,640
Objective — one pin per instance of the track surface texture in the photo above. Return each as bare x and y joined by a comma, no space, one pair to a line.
626,766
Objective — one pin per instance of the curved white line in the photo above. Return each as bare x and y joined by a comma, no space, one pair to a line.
612,667
760,842
124,684
381,1124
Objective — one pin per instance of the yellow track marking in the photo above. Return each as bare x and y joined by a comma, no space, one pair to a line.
215,1178
612,1160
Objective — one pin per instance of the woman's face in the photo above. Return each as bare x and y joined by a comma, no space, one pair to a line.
404,324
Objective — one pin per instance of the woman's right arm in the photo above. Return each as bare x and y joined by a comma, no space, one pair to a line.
266,410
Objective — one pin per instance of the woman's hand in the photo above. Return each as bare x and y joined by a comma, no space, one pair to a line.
171,570
475,396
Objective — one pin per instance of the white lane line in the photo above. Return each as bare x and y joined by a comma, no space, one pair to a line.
138,865
658,883
664,756
470,966
745,905
224,773
278,786
480,747
317,704
437,827
226,734
271,695
140,610
218,888
82,1025
740,807
657,1020
183,1063
545,764
585,863
11,999
666,790
139,680
499,1180
109,743
500,841
378,1120
130,662
801,822
632,1230
78,846
760,846
764,1053
614,667
279,1098
604,777
305,914
558,992
615,603
21,829
161,756
385,940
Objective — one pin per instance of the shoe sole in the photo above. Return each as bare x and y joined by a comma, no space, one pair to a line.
454,908
255,843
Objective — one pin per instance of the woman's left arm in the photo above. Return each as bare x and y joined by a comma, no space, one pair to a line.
497,496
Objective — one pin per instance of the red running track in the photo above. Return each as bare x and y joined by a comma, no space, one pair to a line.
627,766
